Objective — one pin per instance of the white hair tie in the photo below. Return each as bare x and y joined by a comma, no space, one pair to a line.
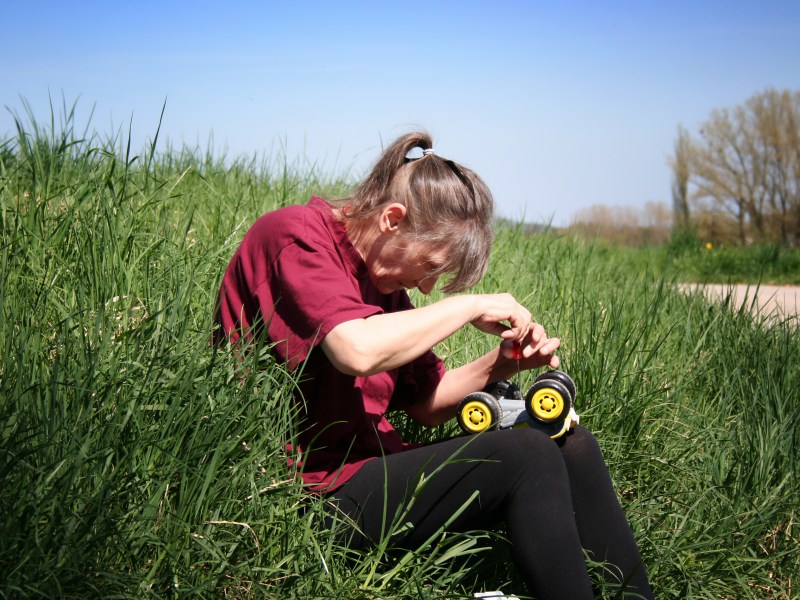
416,153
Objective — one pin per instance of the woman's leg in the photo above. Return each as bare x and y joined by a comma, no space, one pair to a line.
519,476
602,525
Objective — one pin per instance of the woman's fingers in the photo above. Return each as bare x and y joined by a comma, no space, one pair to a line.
524,340
502,315
536,350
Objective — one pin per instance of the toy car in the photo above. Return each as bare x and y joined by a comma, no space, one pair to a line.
548,405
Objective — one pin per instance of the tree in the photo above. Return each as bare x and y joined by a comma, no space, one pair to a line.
626,225
680,179
778,119
747,164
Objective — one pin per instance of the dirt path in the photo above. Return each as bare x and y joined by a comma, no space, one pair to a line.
772,300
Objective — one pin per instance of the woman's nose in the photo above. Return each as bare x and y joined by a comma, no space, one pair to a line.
426,285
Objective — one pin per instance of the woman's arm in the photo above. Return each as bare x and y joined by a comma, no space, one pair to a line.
387,341
500,363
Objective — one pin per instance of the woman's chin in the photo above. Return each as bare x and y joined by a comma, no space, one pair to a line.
388,287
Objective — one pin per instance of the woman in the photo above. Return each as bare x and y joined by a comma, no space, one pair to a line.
326,285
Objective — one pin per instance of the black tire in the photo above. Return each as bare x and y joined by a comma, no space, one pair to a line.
548,401
561,377
478,412
503,388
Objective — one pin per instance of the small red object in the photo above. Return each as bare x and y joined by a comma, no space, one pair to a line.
516,350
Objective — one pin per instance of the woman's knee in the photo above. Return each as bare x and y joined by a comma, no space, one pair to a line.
580,437
530,445
522,449
581,445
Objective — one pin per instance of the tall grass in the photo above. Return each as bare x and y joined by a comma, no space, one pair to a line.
137,461
701,261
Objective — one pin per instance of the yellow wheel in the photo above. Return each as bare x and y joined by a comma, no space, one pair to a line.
478,412
561,377
548,401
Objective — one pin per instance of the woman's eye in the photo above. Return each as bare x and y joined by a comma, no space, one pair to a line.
434,267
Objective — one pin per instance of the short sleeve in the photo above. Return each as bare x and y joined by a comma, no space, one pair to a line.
311,292
295,277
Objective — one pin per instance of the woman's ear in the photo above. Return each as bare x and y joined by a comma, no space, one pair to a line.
391,217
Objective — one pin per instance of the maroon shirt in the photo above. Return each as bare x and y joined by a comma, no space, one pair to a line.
295,277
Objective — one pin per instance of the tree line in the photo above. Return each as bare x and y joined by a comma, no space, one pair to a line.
739,179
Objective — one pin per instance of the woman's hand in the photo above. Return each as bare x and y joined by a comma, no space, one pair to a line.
536,350
501,315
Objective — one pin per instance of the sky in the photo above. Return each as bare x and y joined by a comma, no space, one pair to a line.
558,105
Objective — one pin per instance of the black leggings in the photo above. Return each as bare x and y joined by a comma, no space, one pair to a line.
555,497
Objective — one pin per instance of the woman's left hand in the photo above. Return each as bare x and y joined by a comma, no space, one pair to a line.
534,351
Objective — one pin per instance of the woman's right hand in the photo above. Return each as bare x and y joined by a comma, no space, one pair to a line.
501,315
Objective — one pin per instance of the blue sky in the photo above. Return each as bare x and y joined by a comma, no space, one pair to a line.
558,105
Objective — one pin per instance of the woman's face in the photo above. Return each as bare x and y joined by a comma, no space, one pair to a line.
395,265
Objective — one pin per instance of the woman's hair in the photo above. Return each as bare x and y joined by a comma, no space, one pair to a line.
447,206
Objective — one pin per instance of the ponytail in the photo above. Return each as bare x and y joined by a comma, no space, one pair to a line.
447,206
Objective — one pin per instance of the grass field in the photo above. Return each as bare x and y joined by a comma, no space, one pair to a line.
136,461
